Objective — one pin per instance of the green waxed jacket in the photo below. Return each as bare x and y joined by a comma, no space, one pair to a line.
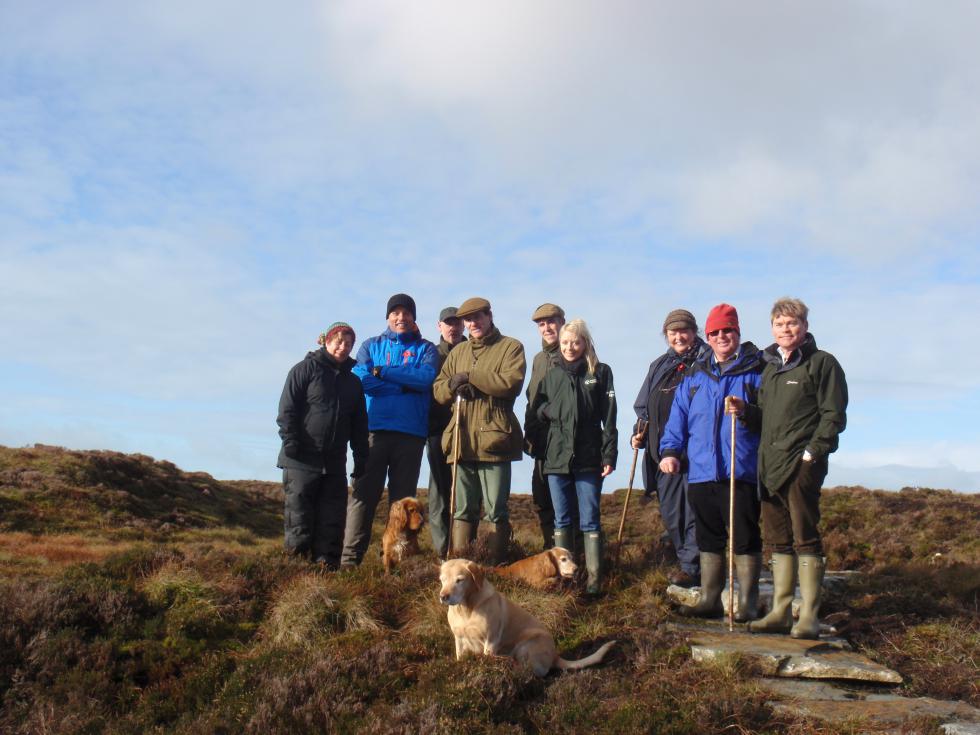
579,410
489,429
802,406
536,431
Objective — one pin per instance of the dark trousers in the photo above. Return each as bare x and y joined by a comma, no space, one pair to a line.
314,514
676,512
440,485
710,503
678,518
395,455
791,515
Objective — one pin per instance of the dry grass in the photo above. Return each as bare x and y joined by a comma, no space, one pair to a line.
313,606
57,549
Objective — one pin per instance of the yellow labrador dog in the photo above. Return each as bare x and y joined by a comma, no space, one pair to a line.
485,622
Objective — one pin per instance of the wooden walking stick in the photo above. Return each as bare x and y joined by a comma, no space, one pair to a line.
452,487
731,532
641,429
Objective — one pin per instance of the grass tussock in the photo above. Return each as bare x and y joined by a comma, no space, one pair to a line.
135,598
311,608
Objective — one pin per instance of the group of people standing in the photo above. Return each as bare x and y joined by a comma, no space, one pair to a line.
404,393
788,403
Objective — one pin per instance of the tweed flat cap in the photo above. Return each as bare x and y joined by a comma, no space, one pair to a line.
547,311
471,306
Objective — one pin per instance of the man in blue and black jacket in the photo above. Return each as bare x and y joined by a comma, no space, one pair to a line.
396,369
699,427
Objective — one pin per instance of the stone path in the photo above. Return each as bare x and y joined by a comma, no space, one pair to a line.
837,704
785,657
801,673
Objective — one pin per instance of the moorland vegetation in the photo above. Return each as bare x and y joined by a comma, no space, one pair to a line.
138,598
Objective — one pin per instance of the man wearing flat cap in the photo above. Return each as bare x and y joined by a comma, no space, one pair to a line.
396,369
549,319
450,329
487,372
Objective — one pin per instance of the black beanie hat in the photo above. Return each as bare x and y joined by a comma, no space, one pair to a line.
401,299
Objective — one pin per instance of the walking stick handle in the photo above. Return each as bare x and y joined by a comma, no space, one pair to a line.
641,429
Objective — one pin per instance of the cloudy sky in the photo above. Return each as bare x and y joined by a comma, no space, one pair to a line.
190,192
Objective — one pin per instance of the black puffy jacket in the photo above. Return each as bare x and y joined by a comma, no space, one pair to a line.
580,412
321,410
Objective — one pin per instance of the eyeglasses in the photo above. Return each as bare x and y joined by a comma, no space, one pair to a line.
726,330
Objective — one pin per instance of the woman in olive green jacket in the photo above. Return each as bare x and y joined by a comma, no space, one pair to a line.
577,400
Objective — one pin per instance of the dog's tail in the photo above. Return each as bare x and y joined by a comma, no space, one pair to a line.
582,663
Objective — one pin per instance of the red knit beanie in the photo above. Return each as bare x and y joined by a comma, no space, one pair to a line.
721,317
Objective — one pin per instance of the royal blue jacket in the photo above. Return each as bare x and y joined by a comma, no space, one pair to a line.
699,424
398,400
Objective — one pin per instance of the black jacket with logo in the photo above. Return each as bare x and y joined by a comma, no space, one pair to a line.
579,410
802,406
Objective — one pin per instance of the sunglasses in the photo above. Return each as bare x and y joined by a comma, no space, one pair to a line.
726,330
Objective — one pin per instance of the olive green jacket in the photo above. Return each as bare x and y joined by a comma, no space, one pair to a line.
579,411
489,429
802,406
536,432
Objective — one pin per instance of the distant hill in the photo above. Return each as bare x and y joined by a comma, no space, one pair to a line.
47,489
897,476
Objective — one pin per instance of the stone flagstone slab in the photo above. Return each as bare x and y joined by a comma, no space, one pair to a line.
824,701
785,657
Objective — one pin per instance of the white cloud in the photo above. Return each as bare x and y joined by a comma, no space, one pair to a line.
189,192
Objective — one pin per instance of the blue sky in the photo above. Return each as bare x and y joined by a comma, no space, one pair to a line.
190,192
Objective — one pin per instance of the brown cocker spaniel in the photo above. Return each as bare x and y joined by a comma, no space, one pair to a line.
400,539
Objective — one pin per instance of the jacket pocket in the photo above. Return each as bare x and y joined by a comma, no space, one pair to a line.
495,436
447,440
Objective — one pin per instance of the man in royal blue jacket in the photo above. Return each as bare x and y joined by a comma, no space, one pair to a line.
699,426
396,369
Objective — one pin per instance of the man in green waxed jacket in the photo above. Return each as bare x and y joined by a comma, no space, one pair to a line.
801,411
487,372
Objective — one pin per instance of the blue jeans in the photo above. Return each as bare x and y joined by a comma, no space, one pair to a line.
581,489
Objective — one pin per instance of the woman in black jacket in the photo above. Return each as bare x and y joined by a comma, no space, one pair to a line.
577,400
321,411
653,404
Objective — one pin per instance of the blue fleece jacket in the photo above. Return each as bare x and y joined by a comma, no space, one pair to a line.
698,421
398,399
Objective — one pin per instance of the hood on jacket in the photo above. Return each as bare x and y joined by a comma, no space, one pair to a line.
772,355
402,337
749,357
321,357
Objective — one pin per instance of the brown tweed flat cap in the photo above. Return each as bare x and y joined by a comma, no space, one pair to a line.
471,306
547,311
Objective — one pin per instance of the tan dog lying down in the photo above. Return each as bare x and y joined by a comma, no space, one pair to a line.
485,622
400,539
542,570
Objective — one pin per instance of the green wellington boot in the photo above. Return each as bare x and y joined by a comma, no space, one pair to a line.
593,562
500,542
780,618
464,533
712,581
811,569
747,567
564,537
